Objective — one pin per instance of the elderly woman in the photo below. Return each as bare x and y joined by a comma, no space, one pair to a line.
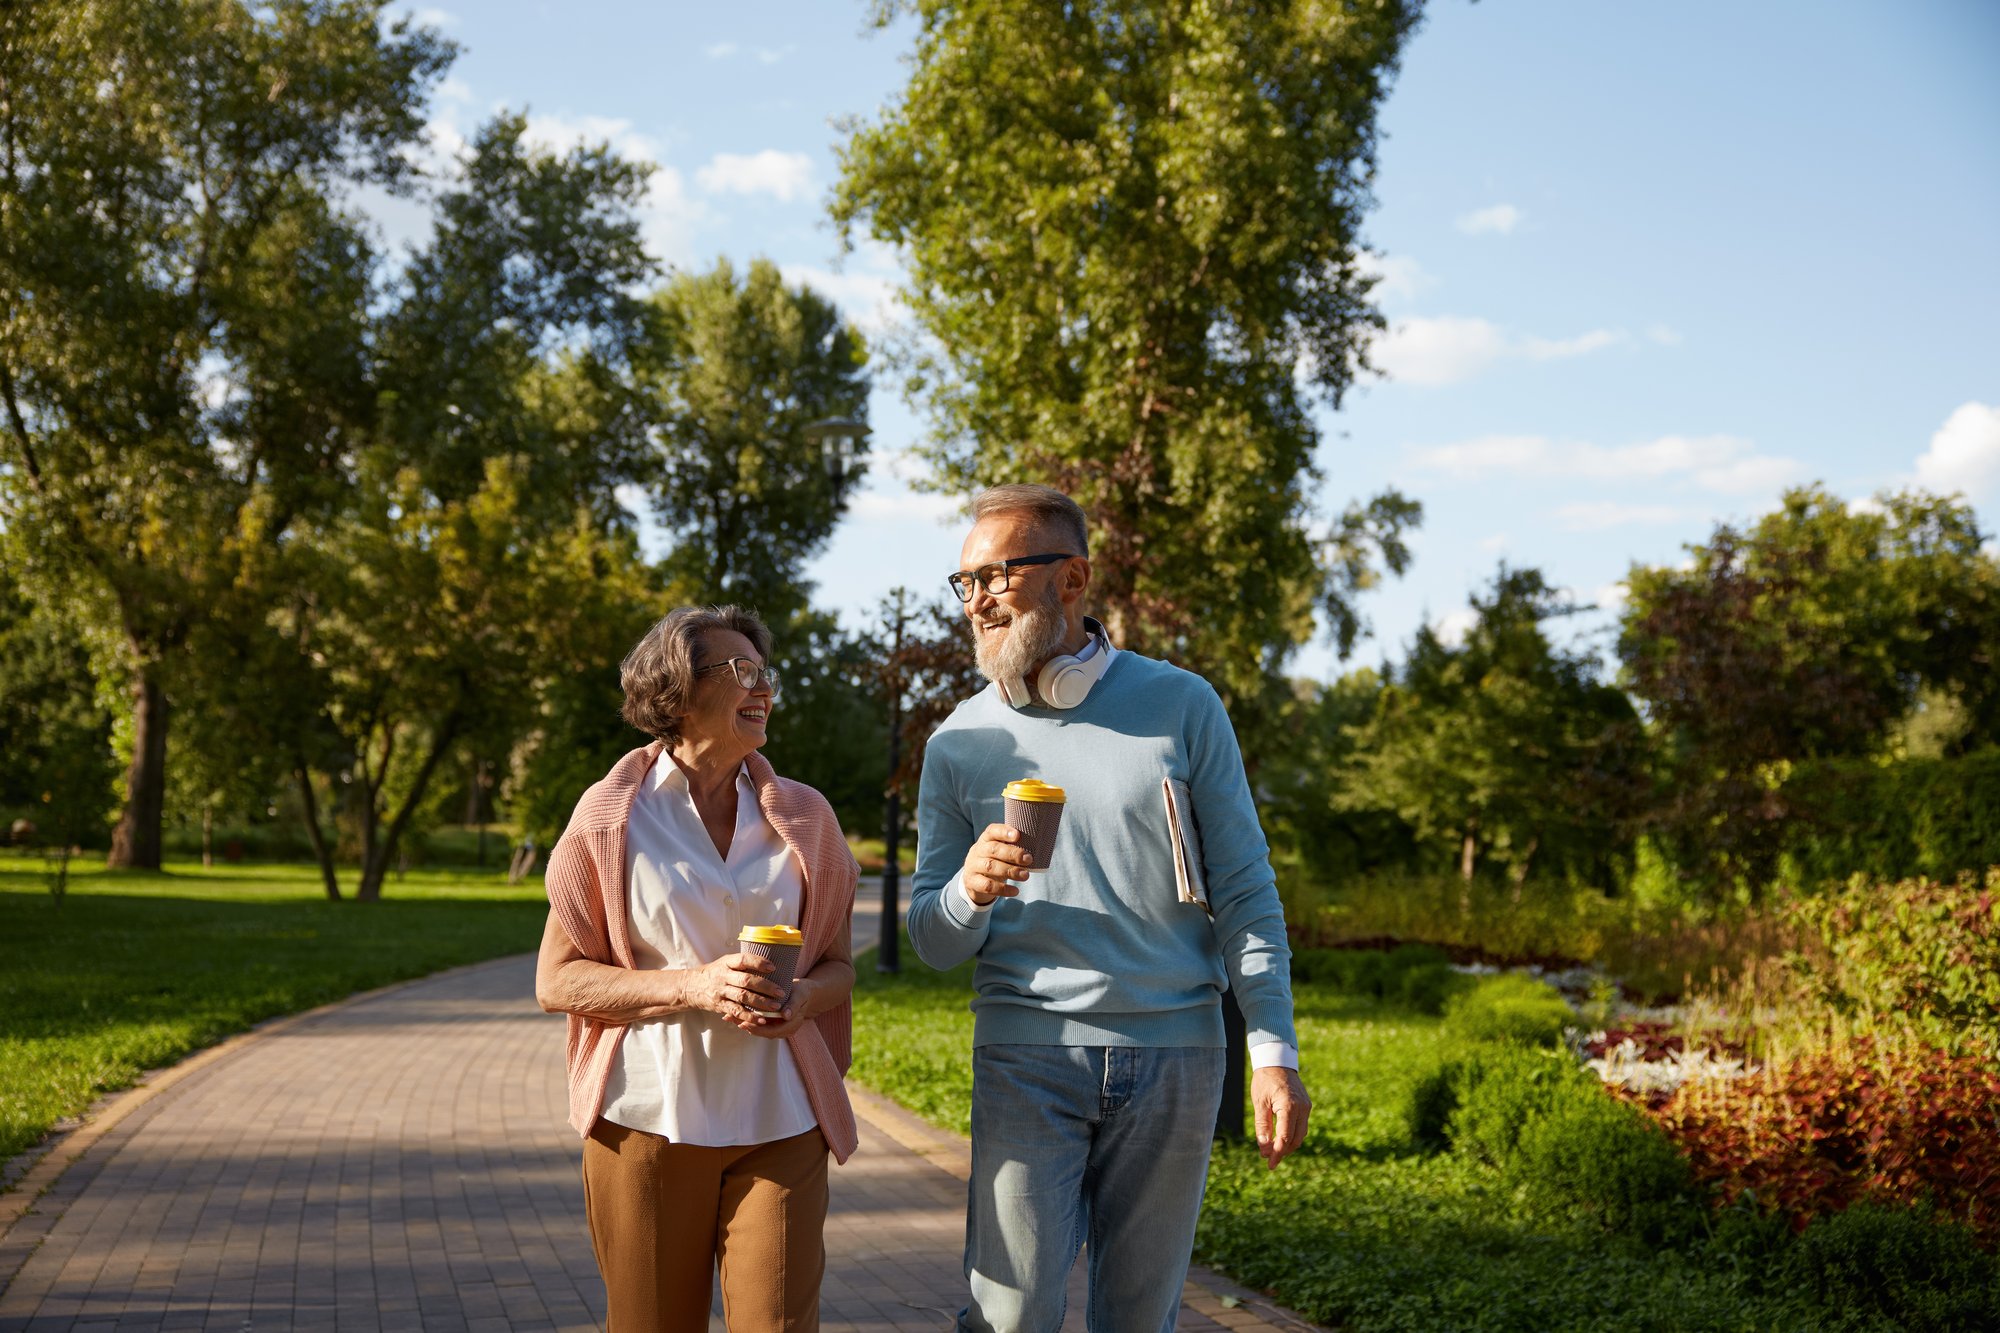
707,1107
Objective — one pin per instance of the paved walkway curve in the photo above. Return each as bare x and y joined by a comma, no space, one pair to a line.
400,1161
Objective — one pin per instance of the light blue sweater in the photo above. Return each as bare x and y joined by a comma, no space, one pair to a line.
1097,950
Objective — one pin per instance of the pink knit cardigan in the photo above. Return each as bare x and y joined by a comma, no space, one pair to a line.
586,883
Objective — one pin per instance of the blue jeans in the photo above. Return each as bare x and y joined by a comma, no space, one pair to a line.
1105,1144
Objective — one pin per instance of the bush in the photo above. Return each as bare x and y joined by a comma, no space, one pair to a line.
1864,1121
1414,976
1895,1266
1935,817
1560,1140
1500,1090
1509,1008
1593,1151
1915,953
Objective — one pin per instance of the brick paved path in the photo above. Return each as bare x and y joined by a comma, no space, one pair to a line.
400,1161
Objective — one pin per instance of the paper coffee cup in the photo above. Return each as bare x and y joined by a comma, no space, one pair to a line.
1035,808
780,944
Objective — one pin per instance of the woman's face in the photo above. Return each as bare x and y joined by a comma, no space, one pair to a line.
722,712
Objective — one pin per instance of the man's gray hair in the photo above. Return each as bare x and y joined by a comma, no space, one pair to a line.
658,674
1053,511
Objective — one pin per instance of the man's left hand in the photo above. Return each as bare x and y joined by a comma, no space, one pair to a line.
1281,1104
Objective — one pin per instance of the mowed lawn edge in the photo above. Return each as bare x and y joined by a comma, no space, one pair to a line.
133,971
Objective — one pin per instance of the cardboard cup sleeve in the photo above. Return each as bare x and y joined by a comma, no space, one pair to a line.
1037,822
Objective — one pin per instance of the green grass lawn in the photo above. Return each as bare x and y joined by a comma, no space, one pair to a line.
1359,1230
133,970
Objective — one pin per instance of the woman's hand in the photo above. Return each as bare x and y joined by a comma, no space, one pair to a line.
735,987
792,1017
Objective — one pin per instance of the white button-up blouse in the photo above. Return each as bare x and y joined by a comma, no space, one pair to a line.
694,1077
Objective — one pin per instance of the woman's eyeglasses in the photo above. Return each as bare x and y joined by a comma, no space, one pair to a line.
748,673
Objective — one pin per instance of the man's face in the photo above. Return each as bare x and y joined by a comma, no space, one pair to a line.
1015,631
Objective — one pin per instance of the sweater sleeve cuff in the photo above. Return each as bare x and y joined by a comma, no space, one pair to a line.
1274,1055
957,888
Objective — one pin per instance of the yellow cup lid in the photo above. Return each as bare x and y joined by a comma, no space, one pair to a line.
770,935
1034,789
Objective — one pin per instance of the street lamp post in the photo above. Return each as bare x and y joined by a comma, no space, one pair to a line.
840,438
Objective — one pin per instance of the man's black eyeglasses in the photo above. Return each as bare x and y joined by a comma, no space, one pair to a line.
748,673
995,577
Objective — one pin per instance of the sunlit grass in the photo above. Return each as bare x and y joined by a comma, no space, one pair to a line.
133,970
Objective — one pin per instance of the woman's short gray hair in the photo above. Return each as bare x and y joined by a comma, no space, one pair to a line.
658,674
1054,513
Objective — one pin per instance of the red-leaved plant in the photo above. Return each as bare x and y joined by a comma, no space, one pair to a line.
1892,1124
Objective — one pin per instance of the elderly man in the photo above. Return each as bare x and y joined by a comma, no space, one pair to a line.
1098,1045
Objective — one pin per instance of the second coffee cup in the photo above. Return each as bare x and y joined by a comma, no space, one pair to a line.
780,944
1035,809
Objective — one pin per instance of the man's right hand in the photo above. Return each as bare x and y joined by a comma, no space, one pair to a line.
993,865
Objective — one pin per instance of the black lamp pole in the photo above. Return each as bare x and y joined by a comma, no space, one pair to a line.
888,954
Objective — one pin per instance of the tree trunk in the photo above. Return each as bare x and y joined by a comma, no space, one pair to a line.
1519,873
375,861
207,837
1468,853
135,843
313,831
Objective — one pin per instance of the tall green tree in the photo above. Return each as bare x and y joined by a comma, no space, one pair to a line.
1506,747
1133,233
1811,634
55,726
734,369
181,351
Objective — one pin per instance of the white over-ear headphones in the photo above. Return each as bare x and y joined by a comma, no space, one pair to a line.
1065,681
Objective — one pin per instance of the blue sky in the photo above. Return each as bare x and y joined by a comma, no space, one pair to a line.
1645,264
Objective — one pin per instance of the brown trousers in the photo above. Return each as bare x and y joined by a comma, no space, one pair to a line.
662,1214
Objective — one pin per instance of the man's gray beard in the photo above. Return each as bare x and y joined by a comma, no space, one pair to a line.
1031,639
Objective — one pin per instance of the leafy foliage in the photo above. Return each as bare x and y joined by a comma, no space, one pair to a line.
1806,637
180,365
1915,955
1132,231
734,370
1510,1008
1866,1120
1503,747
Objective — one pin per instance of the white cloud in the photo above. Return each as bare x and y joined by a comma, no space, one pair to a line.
1452,627
1444,349
1603,515
1867,504
455,89
905,506
433,17
1611,597
1495,219
719,50
1397,277
1727,464
1663,335
786,176
1555,349
864,287
1964,455
772,55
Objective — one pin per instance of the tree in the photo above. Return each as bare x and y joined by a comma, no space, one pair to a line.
1811,635
1505,747
734,371
1299,785
1132,231
180,352
55,729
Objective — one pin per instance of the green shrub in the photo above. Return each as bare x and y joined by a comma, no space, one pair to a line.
1872,1266
1509,1008
1934,817
1501,1089
1916,953
1591,1151
1415,976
